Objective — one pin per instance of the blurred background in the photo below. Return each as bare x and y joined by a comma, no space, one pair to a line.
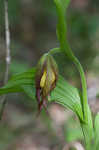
33,32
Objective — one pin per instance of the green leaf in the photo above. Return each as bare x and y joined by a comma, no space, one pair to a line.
18,81
72,130
65,48
87,129
29,90
96,132
61,6
64,93
68,96
74,134
63,3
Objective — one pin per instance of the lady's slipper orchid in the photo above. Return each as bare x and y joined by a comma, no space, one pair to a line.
46,77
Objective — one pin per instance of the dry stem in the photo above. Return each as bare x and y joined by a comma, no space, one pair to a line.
7,58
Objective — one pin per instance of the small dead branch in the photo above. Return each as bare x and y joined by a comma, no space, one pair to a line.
7,58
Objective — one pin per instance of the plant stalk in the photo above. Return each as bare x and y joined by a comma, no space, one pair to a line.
8,57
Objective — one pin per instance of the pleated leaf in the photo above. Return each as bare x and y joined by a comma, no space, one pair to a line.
64,93
18,81
68,96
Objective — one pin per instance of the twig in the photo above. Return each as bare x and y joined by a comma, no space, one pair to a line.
7,58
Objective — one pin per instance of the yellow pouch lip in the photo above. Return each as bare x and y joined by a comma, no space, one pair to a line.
43,79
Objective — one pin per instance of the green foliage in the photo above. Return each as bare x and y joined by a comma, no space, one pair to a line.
64,93
64,47
15,84
72,130
96,131
62,4
68,96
